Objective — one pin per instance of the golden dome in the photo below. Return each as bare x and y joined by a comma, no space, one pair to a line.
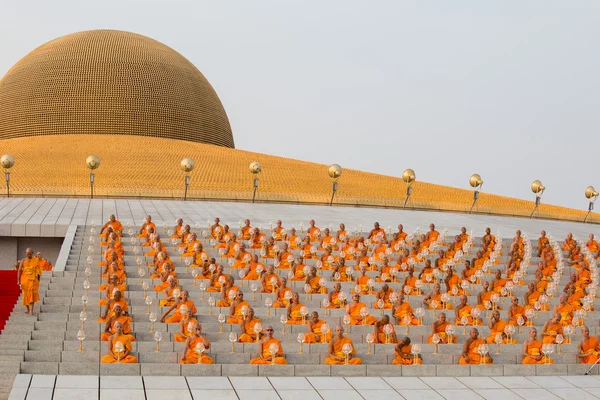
110,82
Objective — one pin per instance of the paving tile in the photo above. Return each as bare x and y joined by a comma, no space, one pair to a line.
214,394
550,382
515,382
329,383
439,382
250,383
479,382
165,382
537,394
299,394
77,382
75,394
171,394
459,394
18,393
574,393
121,382
43,381
498,394
40,393
389,394
340,394
290,383
582,381
368,384
405,383
428,394
246,394
22,381
214,383
122,394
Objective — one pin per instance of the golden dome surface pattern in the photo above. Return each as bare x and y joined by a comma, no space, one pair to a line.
110,82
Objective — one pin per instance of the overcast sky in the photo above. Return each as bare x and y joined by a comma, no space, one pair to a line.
506,89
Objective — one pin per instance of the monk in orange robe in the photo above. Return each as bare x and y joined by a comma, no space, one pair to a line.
565,310
542,242
116,300
515,311
183,301
470,354
119,336
216,230
551,329
228,292
246,230
117,318
354,311
532,350
377,234
283,295
270,281
29,275
383,294
465,310
238,308
588,349
45,265
402,309
147,227
379,333
317,330
439,327
248,334
592,244
114,224
362,281
569,243
314,281
337,298
336,355
186,326
313,232
496,326
404,354
264,355
197,341
294,311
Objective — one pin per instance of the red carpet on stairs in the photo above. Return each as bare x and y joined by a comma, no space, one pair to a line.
8,295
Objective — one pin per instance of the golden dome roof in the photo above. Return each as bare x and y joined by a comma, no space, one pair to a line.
110,82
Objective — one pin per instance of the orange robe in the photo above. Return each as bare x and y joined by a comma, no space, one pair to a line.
496,329
535,349
29,282
126,340
316,330
356,318
475,357
399,360
552,328
250,335
176,317
337,349
566,313
180,338
593,346
279,358
296,316
441,331
126,328
406,309
191,357
237,316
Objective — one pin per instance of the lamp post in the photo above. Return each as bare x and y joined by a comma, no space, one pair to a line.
538,189
92,162
409,177
255,169
592,195
187,165
335,171
7,162
476,183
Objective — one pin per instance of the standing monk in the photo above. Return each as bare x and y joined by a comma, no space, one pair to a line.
28,277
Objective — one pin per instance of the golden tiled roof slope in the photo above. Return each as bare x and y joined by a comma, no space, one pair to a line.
110,82
149,167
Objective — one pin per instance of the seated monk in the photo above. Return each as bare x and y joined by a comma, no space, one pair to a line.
411,281
354,311
379,334
254,270
189,250
516,311
341,272
165,277
452,281
464,310
177,229
314,281
298,269
565,310
216,230
588,349
242,257
283,295
228,292
114,224
532,350
246,230
269,281
439,327
248,334
199,257
542,242
497,326
294,311
431,236
186,326
551,329
569,243
337,298
328,240
385,271
294,240
313,232
433,300
182,302
336,355
279,233
217,280
317,330
485,296
225,238
470,354
115,268
170,293
363,280
194,348
498,282
384,294
377,234
258,239
402,310
116,300
533,296
265,345
147,227
117,318
592,244
238,309
404,354
110,288
124,356
162,261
